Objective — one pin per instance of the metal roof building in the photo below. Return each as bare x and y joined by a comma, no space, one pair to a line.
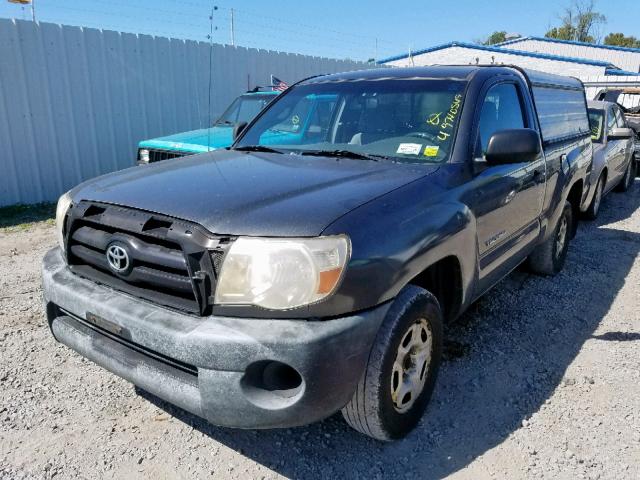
462,53
623,58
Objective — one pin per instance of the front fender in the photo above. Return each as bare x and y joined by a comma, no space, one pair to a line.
395,238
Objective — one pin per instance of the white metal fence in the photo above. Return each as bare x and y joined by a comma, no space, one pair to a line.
74,102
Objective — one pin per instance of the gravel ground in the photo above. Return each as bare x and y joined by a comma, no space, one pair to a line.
542,380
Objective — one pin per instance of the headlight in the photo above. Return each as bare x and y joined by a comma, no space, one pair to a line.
281,273
143,155
64,202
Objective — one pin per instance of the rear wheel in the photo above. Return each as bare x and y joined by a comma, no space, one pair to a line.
549,257
594,208
401,371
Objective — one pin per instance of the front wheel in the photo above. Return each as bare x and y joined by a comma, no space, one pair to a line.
594,207
401,372
549,257
629,176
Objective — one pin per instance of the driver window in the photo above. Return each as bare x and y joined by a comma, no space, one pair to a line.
501,110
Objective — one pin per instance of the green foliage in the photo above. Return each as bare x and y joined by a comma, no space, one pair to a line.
621,40
561,33
495,37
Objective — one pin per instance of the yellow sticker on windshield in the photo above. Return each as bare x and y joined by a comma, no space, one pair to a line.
431,150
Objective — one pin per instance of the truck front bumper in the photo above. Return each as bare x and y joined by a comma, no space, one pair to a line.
245,373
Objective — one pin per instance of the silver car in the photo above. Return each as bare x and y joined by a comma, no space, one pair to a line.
613,151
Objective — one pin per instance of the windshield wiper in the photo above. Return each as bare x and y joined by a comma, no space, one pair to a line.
257,148
342,154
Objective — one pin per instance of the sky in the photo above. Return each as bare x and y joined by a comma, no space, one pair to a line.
331,28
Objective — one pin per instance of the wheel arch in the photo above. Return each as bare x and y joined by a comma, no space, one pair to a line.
574,197
443,278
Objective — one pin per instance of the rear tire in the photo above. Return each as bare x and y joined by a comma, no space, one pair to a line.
401,372
629,176
594,207
549,257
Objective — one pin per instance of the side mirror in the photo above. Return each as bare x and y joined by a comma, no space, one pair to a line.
620,133
238,128
513,146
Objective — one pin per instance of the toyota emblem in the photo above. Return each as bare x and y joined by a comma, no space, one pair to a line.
118,258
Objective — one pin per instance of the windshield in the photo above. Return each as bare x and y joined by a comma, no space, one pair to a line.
407,120
243,109
596,123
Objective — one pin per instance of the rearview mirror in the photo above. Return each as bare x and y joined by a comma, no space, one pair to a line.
238,128
513,146
620,133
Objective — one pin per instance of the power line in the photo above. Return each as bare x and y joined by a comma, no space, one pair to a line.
249,29
260,15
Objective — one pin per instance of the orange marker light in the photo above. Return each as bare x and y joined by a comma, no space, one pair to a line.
328,280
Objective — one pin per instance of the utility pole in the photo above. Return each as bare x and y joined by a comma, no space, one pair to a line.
211,29
375,55
233,36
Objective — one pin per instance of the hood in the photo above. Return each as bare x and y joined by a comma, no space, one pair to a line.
195,141
261,194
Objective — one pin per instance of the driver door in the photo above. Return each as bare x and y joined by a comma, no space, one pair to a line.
507,199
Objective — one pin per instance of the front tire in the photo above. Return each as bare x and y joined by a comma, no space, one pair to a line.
629,176
594,207
401,372
549,257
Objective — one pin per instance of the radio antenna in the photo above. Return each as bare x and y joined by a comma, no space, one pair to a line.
209,119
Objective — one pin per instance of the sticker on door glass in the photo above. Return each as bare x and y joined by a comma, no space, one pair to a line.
409,148
431,150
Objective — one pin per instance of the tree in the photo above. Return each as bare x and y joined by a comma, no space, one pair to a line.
579,23
495,37
621,40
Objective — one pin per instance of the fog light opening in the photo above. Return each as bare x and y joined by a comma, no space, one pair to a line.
279,377
271,384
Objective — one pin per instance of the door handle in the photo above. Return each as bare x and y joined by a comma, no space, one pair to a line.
510,196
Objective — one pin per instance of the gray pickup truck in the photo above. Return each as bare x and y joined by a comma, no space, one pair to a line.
293,276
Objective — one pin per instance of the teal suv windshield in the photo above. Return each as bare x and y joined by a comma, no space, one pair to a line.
244,108
407,120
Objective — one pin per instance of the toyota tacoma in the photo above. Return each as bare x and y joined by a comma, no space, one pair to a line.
276,282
